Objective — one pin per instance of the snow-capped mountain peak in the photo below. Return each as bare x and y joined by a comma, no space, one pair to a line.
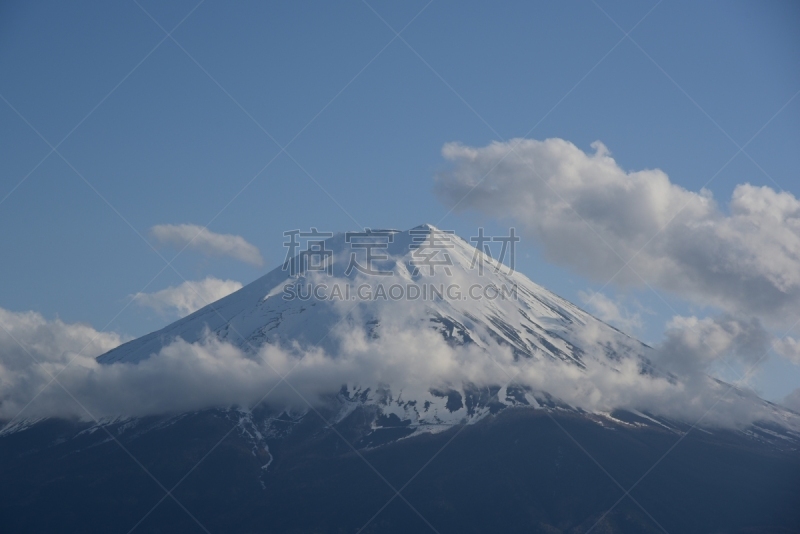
429,329
465,294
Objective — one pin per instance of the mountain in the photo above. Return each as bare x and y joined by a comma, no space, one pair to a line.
533,323
414,362
540,345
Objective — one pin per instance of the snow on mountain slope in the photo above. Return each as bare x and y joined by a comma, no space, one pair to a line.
535,324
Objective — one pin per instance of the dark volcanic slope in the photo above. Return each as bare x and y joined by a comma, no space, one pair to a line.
517,471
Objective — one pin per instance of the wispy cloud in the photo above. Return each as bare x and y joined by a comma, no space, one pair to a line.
207,242
789,348
611,311
189,296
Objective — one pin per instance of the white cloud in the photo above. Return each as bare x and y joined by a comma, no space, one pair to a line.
207,242
744,262
185,377
27,340
188,297
692,345
610,311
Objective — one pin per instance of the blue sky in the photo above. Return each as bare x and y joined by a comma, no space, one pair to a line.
188,131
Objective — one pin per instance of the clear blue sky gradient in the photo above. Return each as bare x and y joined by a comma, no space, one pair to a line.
366,116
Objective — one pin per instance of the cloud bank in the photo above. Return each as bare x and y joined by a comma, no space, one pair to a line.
188,297
207,242
692,345
743,260
191,376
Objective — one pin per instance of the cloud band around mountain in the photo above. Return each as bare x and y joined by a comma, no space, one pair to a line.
212,373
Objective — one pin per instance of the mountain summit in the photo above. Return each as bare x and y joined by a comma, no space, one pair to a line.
423,272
